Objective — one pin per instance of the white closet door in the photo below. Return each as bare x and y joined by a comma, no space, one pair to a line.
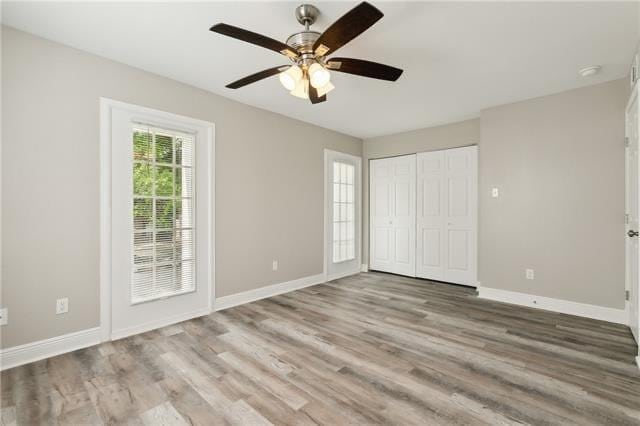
381,215
447,215
393,214
431,220
461,171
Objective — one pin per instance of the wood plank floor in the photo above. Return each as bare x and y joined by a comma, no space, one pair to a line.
368,349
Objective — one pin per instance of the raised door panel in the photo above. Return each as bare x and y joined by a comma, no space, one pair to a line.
382,247
458,197
458,253
402,245
431,243
402,200
381,205
431,195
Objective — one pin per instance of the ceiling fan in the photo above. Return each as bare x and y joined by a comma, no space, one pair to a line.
309,76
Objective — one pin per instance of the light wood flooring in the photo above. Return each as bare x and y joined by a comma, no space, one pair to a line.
368,349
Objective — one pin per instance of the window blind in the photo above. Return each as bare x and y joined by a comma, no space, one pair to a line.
163,214
343,212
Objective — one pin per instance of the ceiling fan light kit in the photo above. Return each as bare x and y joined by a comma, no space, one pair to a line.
318,75
309,76
291,77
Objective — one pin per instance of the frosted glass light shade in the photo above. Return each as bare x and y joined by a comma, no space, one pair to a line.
318,75
290,77
302,89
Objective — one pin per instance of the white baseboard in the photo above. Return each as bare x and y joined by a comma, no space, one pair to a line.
264,292
35,351
364,268
152,325
342,275
619,316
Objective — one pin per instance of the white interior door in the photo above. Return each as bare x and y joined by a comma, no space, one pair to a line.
633,219
343,208
392,189
161,219
447,201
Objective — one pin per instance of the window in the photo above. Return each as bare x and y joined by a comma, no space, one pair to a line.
343,212
163,214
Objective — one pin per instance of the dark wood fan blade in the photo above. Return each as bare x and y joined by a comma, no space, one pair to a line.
364,68
349,26
254,38
313,96
257,77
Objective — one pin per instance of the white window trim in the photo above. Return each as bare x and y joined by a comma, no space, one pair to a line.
358,194
106,106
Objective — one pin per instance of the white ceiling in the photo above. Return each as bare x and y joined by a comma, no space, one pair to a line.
459,58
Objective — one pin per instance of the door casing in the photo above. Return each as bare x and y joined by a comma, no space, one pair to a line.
207,129
329,156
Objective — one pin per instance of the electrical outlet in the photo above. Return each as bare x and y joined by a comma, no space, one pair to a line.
495,192
274,266
4,316
529,274
62,306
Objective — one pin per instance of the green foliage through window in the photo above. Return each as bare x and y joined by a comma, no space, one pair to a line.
156,173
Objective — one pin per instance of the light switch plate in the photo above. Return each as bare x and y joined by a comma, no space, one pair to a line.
529,274
62,306
495,192
4,316
274,266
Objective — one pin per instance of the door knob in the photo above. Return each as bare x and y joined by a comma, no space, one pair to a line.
632,233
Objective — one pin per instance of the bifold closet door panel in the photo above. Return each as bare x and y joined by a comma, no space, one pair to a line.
381,216
393,214
430,219
404,215
461,171
447,215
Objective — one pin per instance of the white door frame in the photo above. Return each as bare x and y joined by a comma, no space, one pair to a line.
106,107
358,194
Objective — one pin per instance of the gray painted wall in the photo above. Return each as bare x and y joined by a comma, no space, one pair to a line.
269,183
559,164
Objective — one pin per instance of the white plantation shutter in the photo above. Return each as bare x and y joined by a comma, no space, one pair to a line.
163,261
343,212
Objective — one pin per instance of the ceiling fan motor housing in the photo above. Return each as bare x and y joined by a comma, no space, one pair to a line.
306,14
303,41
